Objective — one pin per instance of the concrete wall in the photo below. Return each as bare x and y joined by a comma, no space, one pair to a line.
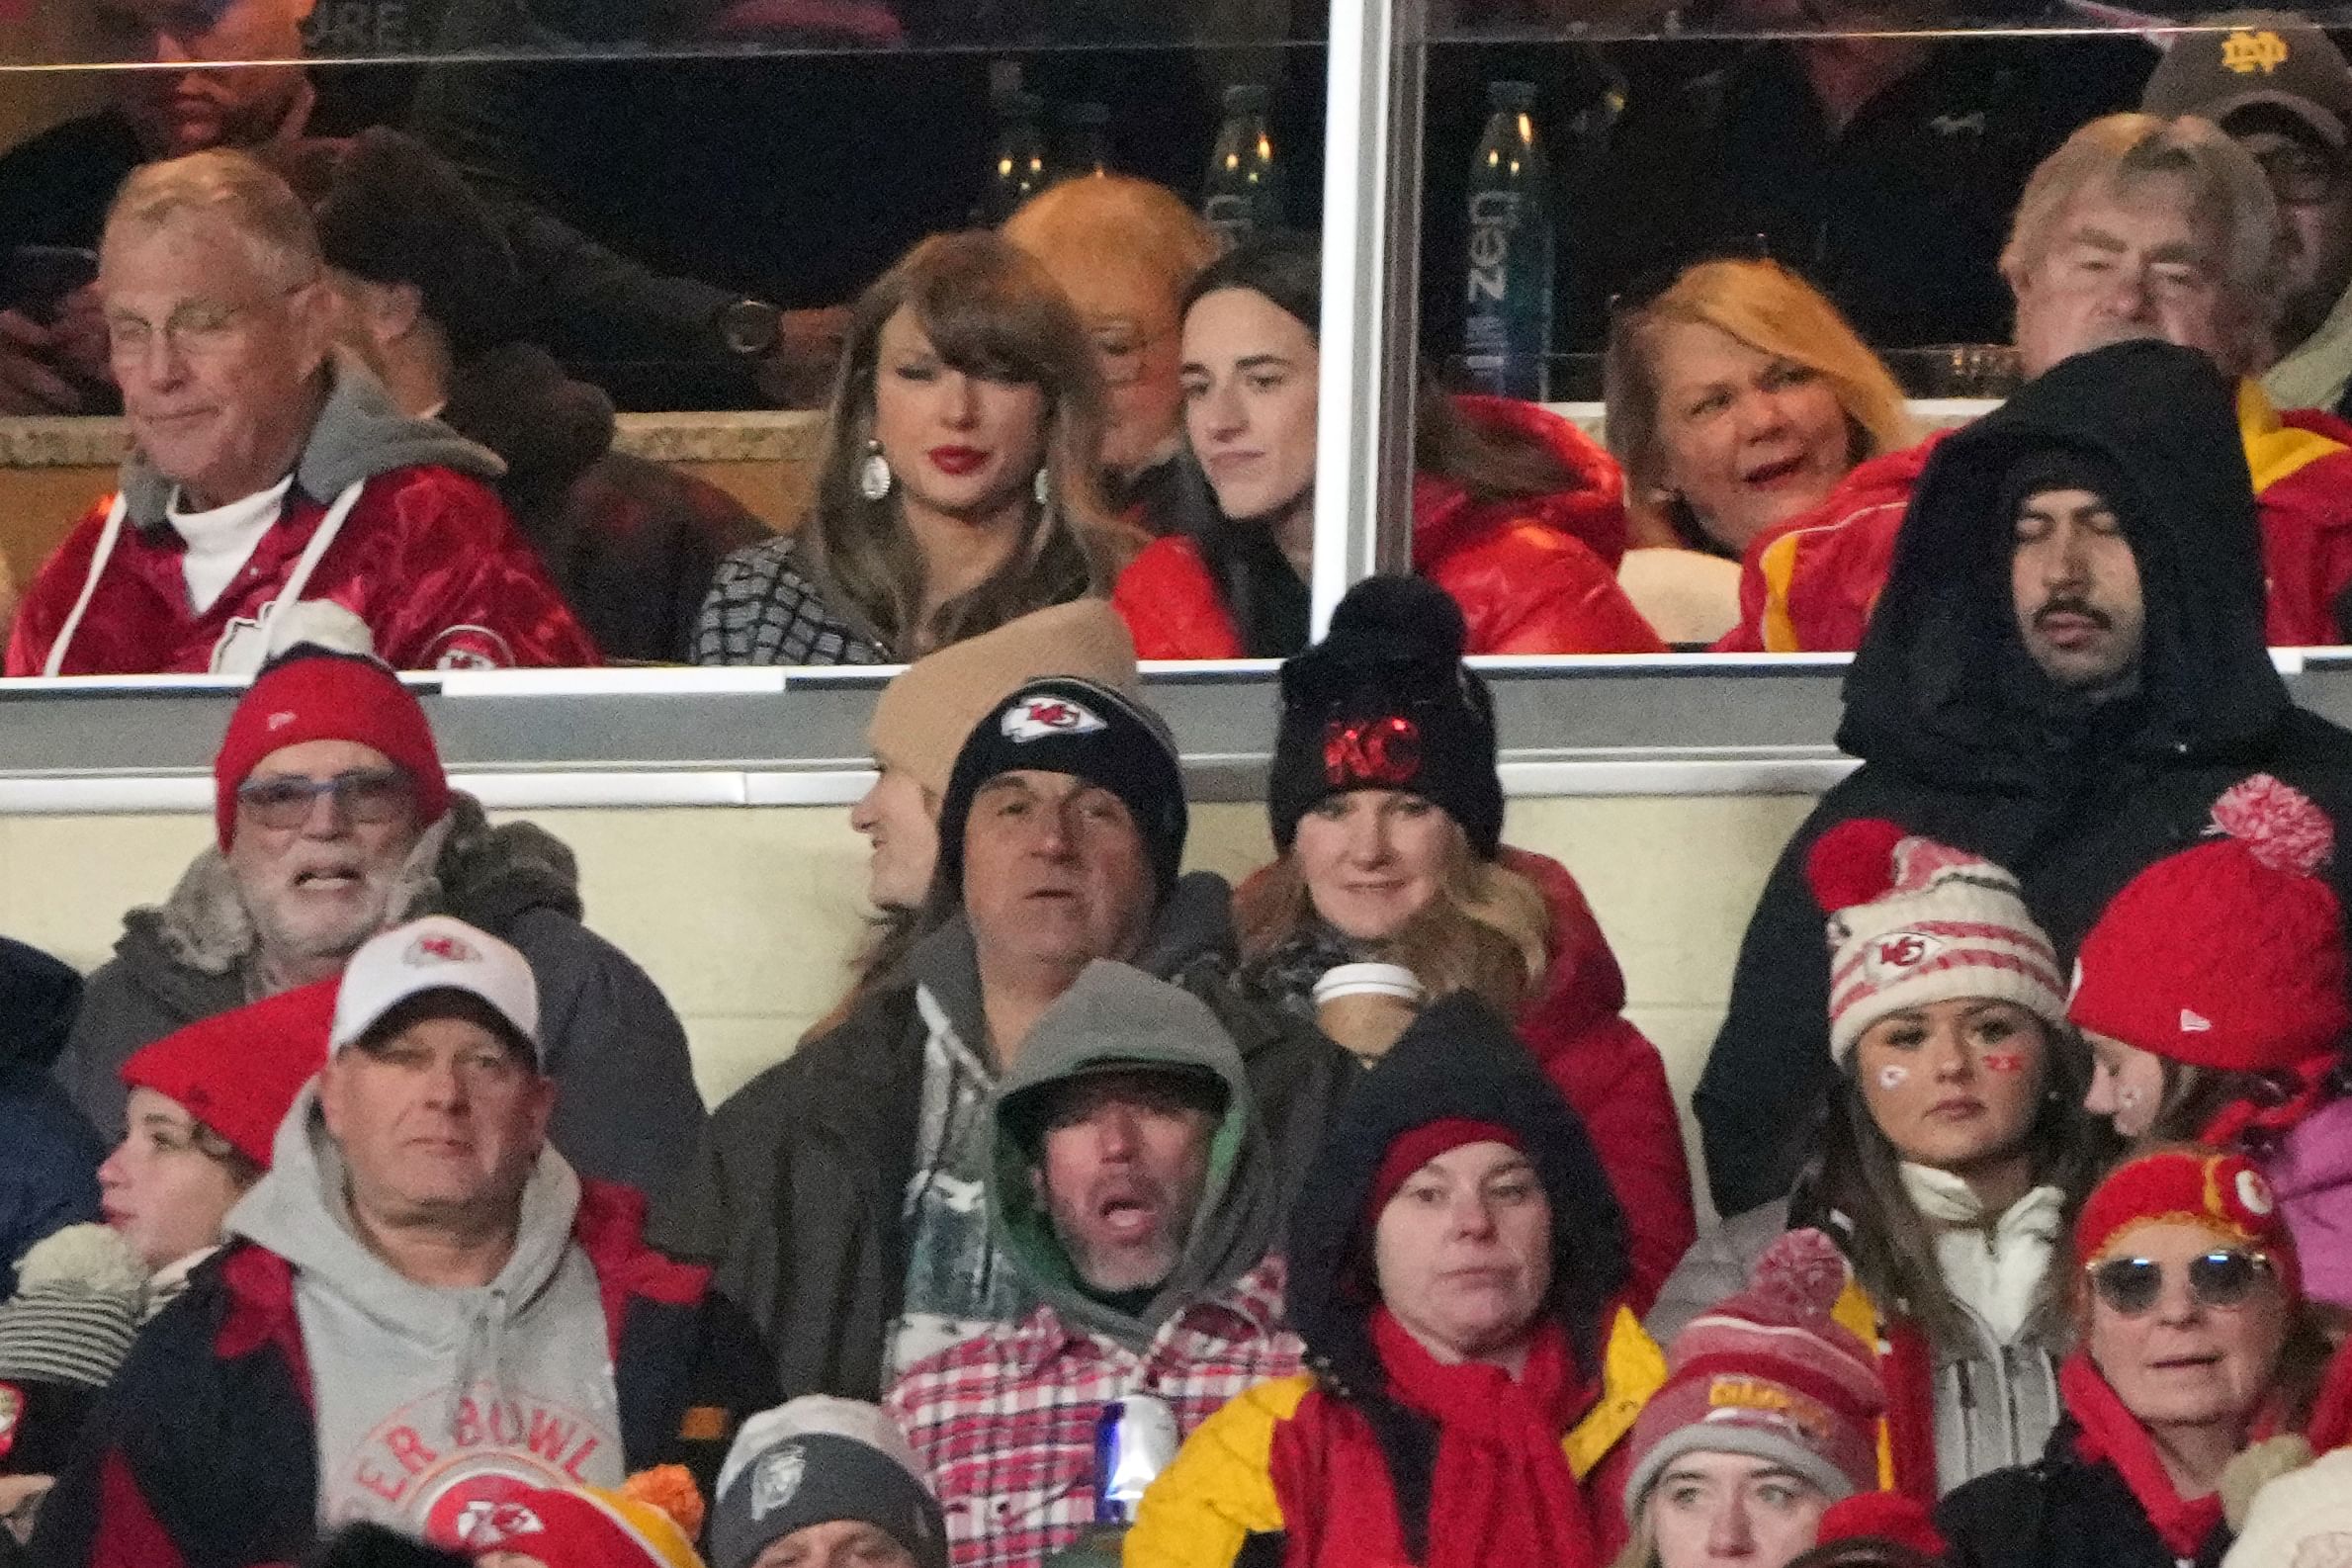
744,917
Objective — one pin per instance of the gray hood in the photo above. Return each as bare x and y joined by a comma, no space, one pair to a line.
1116,1015
360,433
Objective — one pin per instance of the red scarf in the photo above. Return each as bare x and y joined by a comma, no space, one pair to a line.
2113,1433
1502,1491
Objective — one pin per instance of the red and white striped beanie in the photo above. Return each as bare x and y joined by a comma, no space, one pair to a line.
1913,922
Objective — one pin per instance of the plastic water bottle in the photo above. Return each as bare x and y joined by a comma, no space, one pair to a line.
1016,168
1243,195
1086,147
1508,298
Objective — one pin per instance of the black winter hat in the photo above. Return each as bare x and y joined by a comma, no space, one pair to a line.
1458,1060
395,212
1065,724
2042,469
1385,702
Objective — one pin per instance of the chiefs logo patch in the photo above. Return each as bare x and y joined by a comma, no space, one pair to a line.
440,949
468,647
12,1410
1898,953
1035,718
1383,752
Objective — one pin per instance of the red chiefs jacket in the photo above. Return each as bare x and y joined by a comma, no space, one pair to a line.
1533,574
390,519
1808,584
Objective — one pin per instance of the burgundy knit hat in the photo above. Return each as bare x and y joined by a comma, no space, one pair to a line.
317,695
2230,955
238,1072
1770,1373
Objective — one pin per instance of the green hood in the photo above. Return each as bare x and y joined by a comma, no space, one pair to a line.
1116,1014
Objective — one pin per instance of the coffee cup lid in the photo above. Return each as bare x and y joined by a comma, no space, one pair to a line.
1367,979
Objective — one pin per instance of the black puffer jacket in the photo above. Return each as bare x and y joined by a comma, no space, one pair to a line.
1963,740
2060,1513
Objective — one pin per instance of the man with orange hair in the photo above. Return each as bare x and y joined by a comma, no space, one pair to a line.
1124,250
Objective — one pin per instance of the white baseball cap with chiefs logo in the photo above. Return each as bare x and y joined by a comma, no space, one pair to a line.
436,953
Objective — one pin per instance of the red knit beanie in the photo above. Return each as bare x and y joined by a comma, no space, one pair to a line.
2222,1193
324,696
2230,955
1770,1373
1417,1148
1897,1516
238,1072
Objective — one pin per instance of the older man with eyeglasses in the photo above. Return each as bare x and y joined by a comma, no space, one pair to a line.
271,484
335,821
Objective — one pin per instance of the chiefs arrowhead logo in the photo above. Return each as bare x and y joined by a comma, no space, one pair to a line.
1035,718
2254,1194
440,949
1898,953
484,1525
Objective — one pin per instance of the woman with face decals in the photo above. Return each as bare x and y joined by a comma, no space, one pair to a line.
1949,1157
2193,1338
1516,514
1768,1418
1388,812
960,483
2213,994
1455,1268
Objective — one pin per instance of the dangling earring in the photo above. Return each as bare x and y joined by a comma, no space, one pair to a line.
1044,490
873,475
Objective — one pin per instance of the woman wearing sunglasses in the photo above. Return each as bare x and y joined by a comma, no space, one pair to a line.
1515,513
1949,1160
2195,1340
2213,993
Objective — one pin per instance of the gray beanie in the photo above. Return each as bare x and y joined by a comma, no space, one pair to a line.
820,1461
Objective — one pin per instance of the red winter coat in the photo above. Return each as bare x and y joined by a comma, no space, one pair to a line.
1808,584
1532,574
426,557
1613,1075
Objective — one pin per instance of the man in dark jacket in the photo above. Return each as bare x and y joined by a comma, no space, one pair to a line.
336,821
425,1308
840,1193
49,1153
2000,704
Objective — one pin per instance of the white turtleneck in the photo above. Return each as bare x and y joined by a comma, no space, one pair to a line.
1997,1271
220,541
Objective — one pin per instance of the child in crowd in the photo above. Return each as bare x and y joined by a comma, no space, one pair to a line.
2213,993
1951,1156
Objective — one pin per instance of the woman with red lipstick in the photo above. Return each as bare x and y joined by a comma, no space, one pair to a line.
1949,1158
959,485
205,1107
1388,811
2194,1339
1516,514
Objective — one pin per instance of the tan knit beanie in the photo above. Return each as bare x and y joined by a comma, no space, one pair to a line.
922,717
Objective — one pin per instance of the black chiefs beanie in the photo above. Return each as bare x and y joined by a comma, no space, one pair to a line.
1065,724
1385,702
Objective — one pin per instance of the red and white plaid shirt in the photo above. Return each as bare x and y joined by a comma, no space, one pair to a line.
1005,1421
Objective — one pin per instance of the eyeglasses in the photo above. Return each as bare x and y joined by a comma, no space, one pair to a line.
365,795
2218,1280
200,329
2298,176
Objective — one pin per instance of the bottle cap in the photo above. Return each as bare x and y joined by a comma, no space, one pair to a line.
1246,97
1518,95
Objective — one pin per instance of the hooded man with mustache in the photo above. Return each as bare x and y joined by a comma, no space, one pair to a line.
2067,666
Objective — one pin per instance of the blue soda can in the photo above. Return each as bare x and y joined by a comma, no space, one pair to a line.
1135,1438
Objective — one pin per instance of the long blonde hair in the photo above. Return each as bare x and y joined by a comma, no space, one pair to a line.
1487,930
1773,311
988,309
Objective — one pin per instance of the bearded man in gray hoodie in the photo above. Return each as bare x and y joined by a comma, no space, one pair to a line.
424,1309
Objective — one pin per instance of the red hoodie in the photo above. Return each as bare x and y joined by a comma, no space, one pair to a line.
1532,574
1808,584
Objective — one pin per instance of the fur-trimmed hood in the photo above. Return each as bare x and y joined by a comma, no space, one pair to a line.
485,875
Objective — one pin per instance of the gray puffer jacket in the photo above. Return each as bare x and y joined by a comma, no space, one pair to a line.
626,1106
1995,1402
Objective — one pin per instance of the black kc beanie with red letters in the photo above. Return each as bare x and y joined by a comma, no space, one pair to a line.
1385,702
